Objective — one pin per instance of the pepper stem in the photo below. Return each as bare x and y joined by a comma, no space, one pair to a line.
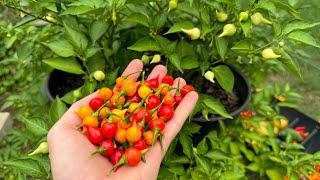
121,162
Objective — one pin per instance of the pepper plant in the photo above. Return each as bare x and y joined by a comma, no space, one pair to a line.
195,39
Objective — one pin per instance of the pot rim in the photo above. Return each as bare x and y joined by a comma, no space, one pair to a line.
240,109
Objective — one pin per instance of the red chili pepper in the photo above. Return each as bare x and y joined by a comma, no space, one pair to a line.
135,98
109,130
153,101
166,111
168,80
139,115
178,99
140,145
157,123
116,156
153,83
94,135
185,89
106,148
96,103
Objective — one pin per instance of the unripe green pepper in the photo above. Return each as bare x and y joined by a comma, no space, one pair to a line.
156,58
145,59
228,30
209,75
193,33
77,93
42,148
221,16
243,16
257,18
99,75
269,54
172,5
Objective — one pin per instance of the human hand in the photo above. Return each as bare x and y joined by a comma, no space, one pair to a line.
69,149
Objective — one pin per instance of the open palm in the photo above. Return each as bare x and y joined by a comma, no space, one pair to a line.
70,150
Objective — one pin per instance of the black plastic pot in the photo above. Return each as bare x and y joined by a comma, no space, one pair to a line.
58,83
242,89
297,118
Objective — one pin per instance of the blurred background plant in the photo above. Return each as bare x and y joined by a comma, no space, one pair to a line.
83,37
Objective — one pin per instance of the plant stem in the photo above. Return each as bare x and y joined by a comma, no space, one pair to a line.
38,17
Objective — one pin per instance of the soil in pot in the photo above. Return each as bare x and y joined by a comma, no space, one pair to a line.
60,83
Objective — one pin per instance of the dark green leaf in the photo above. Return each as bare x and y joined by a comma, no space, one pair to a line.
76,38
303,37
89,86
91,51
267,5
186,143
61,47
145,44
177,169
222,46
216,106
57,109
159,20
197,175
191,128
175,60
97,29
70,65
189,62
111,77
231,175
138,18
176,27
225,77
96,63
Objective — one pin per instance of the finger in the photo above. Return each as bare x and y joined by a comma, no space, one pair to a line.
177,83
181,113
133,70
159,71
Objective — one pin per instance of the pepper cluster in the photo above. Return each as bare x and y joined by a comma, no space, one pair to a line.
125,121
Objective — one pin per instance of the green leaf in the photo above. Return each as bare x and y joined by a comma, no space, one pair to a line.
274,174
69,65
203,163
57,109
175,60
303,37
97,29
61,47
91,51
96,63
191,128
69,98
202,147
89,86
189,62
76,38
217,155
255,167
76,10
198,175
25,50
222,46
111,77
246,27
290,63
241,46
224,76
36,126
267,5
26,166
159,20
179,160
231,175
176,27
216,106
145,44
138,18
298,25
177,169
186,143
